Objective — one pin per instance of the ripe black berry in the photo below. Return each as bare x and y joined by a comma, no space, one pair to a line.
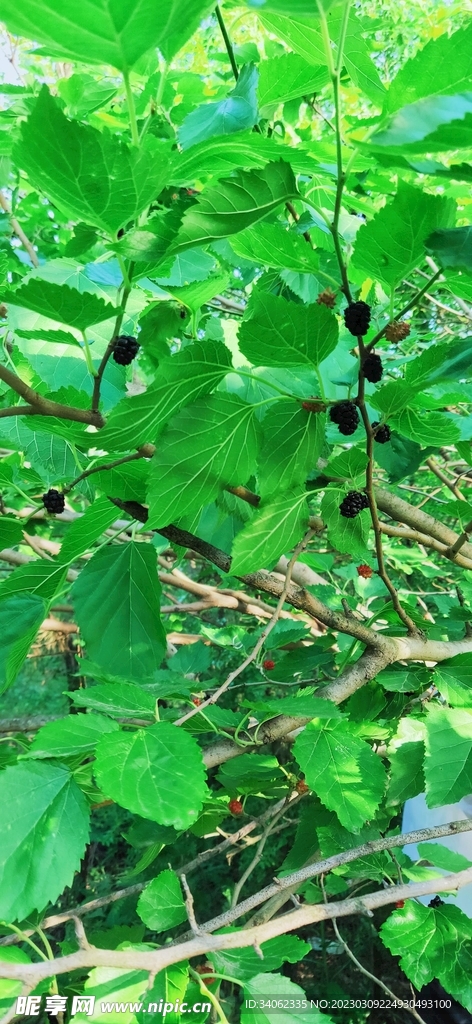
125,350
53,501
357,318
383,433
436,902
346,416
372,368
352,504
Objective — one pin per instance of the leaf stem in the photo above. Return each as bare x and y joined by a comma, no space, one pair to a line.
227,41
335,74
131,109
88,356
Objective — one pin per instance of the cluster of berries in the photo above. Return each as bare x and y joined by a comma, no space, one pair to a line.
353,503
357,318
125,349
54,501
436,902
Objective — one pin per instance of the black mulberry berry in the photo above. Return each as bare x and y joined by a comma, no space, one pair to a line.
357,318
125,350
53,501
352,504
436,902
372,368
346,416
383,433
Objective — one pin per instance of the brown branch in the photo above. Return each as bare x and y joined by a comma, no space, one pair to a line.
405,533
145,452
40,406
18,230
459,543
412,516
157,960
370,491
433,466
261,641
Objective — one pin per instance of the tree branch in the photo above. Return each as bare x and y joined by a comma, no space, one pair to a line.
18,230
40,406
154,961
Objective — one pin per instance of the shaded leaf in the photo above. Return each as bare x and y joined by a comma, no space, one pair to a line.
117,603
45,822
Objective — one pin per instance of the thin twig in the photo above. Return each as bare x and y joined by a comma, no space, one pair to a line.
258,854
363,970
18,230
145,452
189,906
261,641
111,344
370,492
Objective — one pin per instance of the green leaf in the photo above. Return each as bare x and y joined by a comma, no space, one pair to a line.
116,32
234,113
160,905
265,989
236,203
432,943
245,964
293,440
11,531
180,380
45,829
426,428
276,528
157,773
82,533
91,175
303,706
10,989
441,68
419,120
453,678
449,361
77,734
392,397
61,303
198,293
392,244
120,700
406,755
40,577
342,770
217,157
348,464
122,986
207,446
350,536
448,778
452,248
20,618
56,337
274,246
302,34
440,857
287,78
117,603
275,332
